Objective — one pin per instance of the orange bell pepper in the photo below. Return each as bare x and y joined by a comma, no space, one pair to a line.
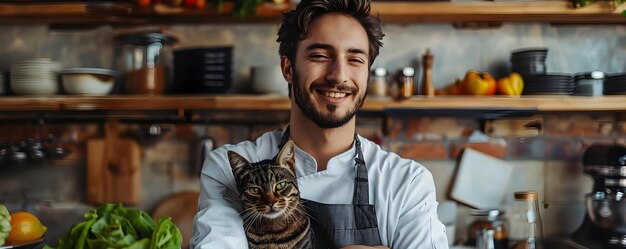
479,83
512,85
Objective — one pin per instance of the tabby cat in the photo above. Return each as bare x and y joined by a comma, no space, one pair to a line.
273,215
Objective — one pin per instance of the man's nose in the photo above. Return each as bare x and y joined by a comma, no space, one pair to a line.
337,72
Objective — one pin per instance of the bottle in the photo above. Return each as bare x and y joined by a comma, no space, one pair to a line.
532,224
490,219
485,239
427,80
378,83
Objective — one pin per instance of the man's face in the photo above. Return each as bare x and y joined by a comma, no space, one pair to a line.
331,70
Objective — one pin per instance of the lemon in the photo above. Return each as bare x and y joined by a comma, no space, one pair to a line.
25,227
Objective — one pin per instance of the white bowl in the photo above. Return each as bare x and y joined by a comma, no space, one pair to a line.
269,80
88,81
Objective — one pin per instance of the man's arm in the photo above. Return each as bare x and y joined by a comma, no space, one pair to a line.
217,223
418,225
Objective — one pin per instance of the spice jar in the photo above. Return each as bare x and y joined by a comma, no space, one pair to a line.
404,86
378,83
144,59
492,219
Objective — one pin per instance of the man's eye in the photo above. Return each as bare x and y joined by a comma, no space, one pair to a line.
254,190
317,56
281,185
358,60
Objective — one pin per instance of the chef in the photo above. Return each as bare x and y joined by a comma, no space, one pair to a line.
326,49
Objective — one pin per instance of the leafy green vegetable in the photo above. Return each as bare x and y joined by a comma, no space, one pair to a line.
111,226
166,235
5,224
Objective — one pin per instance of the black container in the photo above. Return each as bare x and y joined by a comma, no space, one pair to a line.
203,70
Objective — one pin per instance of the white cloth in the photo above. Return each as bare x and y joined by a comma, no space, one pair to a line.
402,191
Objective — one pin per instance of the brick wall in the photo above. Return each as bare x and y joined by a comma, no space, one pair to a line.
545,150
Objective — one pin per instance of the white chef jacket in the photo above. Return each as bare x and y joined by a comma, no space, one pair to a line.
402,191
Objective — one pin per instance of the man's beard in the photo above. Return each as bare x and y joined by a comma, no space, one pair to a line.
330,120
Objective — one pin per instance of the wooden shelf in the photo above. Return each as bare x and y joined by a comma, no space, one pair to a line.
80,13
281,103
532,11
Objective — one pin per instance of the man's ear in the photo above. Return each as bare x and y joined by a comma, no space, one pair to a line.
287,68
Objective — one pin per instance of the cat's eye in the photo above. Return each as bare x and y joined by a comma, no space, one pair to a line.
254,190
281,185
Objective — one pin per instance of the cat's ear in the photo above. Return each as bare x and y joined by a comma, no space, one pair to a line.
287,157
237,162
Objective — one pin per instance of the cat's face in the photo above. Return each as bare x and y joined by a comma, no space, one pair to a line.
267,189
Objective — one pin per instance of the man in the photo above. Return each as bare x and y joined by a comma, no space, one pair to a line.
327,48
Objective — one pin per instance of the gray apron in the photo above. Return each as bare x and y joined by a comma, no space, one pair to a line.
337,225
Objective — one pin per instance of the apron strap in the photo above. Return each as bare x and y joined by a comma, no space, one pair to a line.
361,183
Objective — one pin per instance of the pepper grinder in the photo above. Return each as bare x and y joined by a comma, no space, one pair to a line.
427,79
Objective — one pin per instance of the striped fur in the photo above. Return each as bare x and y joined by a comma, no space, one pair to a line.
273,216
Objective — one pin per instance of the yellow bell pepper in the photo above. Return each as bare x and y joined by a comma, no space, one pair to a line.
512,85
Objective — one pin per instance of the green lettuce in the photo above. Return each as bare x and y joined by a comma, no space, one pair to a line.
5,224
111,226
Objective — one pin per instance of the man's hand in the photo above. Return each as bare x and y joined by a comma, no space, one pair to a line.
364,247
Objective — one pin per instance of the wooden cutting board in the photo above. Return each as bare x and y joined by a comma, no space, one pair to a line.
113,169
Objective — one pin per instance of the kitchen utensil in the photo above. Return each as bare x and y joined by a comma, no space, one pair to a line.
604,225
182,207
144,58
481,180
113,169
88,81
427,78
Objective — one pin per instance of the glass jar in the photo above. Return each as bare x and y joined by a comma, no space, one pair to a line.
378,83
144,59
492,219
531,224
404,86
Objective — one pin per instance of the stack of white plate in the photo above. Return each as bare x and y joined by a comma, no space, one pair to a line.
35,77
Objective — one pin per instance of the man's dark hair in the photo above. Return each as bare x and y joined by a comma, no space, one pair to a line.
295,23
